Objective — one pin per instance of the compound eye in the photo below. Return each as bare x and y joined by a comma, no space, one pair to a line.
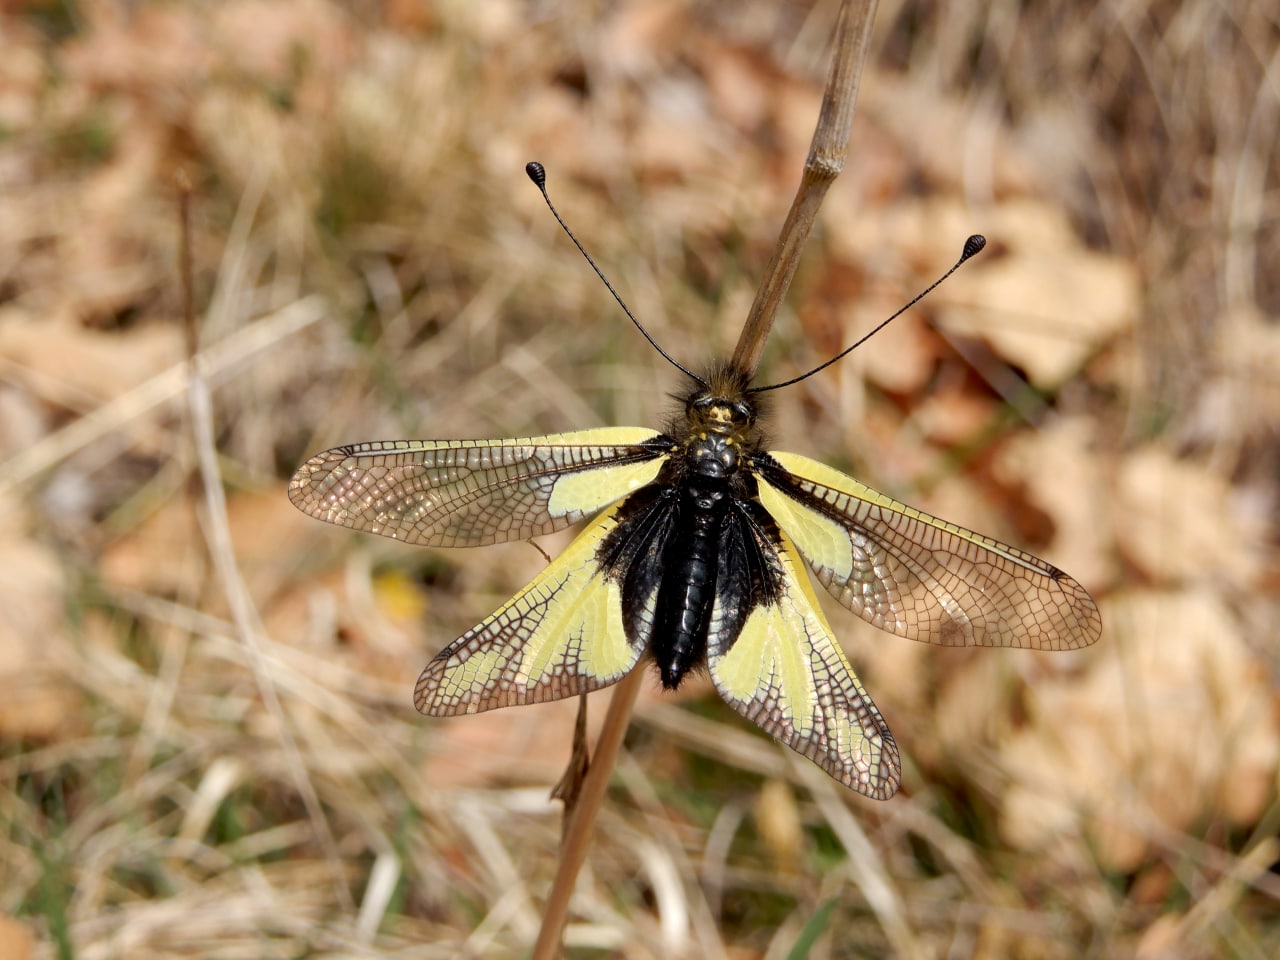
743,411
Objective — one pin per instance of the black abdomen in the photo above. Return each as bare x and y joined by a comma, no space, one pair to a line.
688,588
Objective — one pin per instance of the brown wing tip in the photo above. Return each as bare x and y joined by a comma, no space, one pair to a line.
1086,618
308,479
300,488
886,772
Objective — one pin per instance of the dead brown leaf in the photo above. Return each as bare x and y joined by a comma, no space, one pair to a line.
69,364
1042,300
16,940
1046,303
1172,723
278,42
952,416
37,701
1241,399
161,556
1175,519
506,746
972,708
1059,470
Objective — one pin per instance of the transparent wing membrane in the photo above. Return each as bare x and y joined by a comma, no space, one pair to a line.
560,636
470,493
918,576
786,673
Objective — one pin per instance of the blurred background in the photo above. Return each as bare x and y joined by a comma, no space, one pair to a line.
205,761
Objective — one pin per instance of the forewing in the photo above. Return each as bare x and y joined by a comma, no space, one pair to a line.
785,672
919,576
470,493
561,635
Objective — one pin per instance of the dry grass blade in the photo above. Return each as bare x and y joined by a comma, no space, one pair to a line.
569,787
577,838
865,865
219,360
218,534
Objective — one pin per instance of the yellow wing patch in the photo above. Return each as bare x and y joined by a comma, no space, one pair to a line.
786,673
560,636
587,491
826,542
921,577
470,493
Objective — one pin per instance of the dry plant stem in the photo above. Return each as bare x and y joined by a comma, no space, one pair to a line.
569,789
826,158
1223,898
825,161
184,265
218,537
573,849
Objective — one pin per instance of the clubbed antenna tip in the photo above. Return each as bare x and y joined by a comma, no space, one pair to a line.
972,247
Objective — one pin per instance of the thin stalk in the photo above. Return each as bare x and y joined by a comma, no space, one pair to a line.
577,837
827,152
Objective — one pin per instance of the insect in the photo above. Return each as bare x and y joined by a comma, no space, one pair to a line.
693,557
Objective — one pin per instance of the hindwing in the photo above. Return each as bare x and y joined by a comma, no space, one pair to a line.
918,576
470,493
560,636
774,659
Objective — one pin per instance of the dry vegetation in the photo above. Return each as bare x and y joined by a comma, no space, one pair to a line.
183,774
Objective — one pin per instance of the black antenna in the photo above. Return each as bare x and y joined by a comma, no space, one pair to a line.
972,247
538,174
